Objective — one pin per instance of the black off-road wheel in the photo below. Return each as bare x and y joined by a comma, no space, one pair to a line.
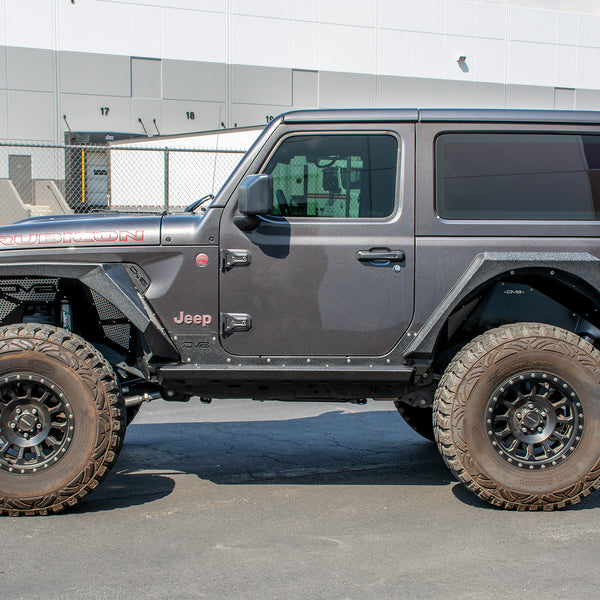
62,419
419,419
517,417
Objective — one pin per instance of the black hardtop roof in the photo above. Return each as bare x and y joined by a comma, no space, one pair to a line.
443,115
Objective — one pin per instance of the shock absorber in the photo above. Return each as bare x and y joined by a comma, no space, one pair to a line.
66,314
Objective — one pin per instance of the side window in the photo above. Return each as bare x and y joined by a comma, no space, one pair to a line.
337,176
518,176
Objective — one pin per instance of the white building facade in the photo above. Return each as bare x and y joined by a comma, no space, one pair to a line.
143,67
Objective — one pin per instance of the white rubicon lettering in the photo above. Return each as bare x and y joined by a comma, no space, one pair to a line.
72,237
188,319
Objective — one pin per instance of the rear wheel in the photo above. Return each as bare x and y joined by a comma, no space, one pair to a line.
62,419
517,417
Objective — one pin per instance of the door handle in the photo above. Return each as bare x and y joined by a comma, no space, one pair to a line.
381,256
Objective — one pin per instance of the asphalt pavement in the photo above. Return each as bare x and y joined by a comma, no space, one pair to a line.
247,500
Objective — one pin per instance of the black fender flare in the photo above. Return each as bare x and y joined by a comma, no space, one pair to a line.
119,283
487,266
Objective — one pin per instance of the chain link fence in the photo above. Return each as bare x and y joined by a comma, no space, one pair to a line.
37,180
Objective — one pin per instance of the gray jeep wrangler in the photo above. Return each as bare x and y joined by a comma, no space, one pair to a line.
445,260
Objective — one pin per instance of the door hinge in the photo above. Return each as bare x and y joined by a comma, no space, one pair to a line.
234,258
231,322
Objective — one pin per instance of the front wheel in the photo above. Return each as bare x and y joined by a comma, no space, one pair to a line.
517,417
62,419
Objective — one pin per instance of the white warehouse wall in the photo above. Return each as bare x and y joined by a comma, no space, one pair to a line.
238,62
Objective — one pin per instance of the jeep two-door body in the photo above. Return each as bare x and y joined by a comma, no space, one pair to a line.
445,260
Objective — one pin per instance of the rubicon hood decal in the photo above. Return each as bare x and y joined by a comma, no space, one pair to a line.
70,237
84,231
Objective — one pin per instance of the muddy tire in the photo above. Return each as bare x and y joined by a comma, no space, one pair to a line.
62,419
419,419
517,417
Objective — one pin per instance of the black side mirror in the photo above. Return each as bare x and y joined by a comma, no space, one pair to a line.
255,197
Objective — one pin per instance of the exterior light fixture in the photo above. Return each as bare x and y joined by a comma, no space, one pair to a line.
462,64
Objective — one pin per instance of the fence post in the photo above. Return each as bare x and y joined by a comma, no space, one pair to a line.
166,171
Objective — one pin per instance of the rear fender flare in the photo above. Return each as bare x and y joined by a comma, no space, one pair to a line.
488,266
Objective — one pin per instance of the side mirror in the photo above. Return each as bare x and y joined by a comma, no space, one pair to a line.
255,197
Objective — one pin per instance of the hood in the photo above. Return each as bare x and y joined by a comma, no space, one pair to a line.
82,230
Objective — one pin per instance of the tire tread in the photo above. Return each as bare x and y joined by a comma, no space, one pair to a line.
447,408
97,374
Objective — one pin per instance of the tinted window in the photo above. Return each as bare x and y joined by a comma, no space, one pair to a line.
518,176
338,176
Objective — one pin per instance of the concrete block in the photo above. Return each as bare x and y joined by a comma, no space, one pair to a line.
13,208
47,194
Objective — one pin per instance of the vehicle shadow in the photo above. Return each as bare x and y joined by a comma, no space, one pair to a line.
333,448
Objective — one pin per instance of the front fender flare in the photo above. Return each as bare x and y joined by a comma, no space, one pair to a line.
114,283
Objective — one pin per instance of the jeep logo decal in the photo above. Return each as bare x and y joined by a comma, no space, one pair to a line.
203,320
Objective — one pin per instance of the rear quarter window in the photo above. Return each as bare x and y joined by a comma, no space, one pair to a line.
517,176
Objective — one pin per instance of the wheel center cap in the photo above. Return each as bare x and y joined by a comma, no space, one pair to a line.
531,419
26,423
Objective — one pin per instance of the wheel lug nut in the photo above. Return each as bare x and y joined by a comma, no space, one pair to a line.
38,426
524,430
25,435
518,415
13,426
543,413
34,411
540,429
530,405
18,411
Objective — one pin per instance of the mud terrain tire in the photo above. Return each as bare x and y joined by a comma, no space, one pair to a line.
62,419
539,387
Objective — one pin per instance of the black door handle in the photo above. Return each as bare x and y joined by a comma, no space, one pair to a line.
381,256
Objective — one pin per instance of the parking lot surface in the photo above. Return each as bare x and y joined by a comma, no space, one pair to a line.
246,500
